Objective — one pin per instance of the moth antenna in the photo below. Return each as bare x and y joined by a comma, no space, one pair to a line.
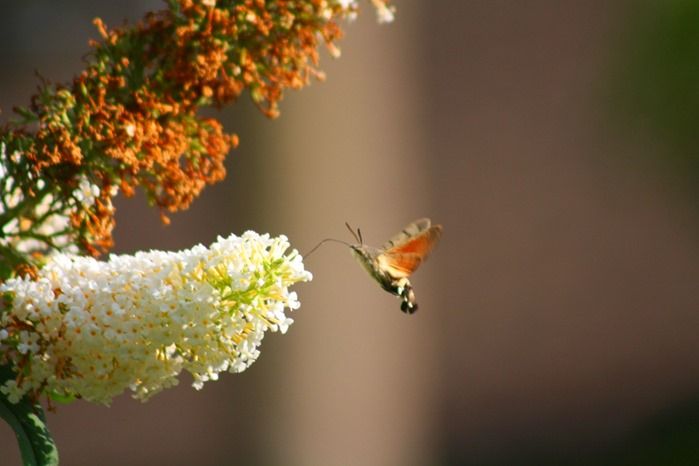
354,235
359,232
305,256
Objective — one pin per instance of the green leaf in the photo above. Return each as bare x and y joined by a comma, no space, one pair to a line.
9,260
28,421
61,398
27,115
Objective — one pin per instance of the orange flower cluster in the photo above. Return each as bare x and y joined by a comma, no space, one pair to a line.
131,117
275,47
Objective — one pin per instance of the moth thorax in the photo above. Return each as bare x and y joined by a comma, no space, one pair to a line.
364,256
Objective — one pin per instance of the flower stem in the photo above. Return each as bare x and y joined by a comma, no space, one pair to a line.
28,422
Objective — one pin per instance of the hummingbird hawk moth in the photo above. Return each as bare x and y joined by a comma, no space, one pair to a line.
392,264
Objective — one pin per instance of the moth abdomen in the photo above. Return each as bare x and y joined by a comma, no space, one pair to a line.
409,303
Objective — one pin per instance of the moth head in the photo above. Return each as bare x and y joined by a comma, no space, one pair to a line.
360,252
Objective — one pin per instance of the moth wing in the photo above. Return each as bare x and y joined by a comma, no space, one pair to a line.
399,265
403,259
411,230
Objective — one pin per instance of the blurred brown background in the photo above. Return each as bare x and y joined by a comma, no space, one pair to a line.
557,144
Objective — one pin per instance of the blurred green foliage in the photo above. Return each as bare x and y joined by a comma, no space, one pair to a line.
656,87
670,438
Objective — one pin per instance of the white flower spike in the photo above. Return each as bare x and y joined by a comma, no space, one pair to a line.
92,329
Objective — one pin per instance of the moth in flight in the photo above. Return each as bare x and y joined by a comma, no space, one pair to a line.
392,264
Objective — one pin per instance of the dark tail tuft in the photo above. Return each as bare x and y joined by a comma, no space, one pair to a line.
409,304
